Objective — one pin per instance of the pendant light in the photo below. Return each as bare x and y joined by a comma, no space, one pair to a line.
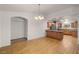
39,17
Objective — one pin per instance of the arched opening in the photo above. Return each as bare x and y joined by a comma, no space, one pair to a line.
19,28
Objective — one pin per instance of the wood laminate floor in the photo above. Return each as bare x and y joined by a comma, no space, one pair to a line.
42,46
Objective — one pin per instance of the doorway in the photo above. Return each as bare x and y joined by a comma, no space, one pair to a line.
18,29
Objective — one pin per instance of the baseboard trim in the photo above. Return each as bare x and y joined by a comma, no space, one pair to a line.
19,38
8,44
37,38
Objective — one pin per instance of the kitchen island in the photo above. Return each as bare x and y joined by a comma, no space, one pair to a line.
57,34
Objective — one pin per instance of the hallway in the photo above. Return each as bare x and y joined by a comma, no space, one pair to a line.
42,46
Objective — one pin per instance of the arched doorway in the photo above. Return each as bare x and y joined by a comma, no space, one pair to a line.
19,28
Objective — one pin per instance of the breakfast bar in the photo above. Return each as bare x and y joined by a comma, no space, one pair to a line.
56,34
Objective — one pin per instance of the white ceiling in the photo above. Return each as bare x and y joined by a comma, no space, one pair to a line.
45,8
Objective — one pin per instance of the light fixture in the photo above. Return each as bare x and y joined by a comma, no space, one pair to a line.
39,17
66,21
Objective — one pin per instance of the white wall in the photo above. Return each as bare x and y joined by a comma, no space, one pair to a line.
35,28
17,28
4,30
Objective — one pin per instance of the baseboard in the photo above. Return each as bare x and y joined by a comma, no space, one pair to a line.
5,45
19,38
37,38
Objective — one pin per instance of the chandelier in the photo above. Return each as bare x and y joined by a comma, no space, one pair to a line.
39,17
